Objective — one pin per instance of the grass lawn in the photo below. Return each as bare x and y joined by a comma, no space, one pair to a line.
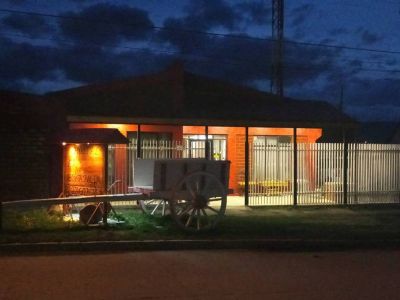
331,223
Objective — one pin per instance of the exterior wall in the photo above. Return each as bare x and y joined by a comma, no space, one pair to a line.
30,158
121,158
236,143
24,164
235,137
84,169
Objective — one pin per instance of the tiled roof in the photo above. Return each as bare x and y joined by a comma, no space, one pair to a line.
177,94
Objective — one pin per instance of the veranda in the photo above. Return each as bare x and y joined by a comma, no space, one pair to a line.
281,173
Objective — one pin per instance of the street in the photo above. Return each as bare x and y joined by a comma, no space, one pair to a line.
209,274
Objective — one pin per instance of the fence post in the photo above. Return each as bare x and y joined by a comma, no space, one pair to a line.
139,143
207,146
246,168
345,166
294,166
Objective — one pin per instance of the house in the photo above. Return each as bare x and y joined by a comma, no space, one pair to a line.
375,132
396,135
27,133
210,117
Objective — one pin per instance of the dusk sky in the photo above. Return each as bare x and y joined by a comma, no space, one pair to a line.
53,45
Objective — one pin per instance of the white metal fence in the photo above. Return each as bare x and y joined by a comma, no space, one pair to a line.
373,173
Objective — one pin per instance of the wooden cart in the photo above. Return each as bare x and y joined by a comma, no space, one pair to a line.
193,191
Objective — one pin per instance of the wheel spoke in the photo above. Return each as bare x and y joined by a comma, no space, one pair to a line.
198,201
198,219
185,210
189,220
204,212
197,186
191,191
213,209
155,208
214,199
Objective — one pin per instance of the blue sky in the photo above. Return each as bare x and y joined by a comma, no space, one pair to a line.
40,53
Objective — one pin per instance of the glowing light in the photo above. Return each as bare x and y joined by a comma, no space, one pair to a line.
63,143
73,158
95,152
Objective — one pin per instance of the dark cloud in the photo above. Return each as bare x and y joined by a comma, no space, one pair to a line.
391,62
83,64
370,38
255,12
91,64
338,31
204,14
355,63
300,14
377,113
33,26
26,61
106,24
378,92
17,2
327,41
303,65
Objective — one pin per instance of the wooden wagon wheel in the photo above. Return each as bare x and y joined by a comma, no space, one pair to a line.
154,207
198,201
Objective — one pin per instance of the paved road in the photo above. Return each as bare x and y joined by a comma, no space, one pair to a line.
203,275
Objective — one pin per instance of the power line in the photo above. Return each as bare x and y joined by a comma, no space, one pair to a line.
220,60
204,32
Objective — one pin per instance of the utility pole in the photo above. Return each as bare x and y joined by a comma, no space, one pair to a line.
277,48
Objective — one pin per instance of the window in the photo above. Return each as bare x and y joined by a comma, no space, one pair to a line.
195,146
154,144
271,157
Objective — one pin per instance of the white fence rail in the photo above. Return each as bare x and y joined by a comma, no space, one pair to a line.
373,174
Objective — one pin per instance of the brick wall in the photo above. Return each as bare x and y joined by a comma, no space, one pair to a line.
28,151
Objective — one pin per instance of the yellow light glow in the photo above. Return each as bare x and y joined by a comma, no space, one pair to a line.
73,158
121,127
95,152
64,143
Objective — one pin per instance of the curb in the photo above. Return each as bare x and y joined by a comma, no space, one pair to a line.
164,245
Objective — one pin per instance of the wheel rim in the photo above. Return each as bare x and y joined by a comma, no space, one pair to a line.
198,202
154,207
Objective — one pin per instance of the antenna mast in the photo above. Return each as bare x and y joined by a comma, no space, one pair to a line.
277,48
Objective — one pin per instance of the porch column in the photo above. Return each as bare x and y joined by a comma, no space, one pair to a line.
345,166
246,168
207,146
105,203
295,166
139,142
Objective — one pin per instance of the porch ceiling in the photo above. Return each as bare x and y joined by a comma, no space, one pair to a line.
203,122
94,136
